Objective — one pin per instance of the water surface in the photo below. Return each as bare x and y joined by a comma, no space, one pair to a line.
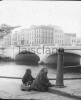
15,70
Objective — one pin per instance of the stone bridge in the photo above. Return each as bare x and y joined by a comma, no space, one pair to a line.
45,52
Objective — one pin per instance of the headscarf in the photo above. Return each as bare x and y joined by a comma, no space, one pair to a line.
28,71
27,77
41,81
42,74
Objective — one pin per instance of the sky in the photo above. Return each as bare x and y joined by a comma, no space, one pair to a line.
66,14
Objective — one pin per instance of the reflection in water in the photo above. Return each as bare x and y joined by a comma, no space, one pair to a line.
14,70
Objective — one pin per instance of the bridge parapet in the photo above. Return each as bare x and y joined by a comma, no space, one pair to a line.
44,51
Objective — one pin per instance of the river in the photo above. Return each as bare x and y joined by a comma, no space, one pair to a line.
14,70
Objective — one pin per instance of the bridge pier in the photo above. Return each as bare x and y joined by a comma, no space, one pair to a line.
60,66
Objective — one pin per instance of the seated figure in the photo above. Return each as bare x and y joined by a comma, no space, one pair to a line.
27,80
41,82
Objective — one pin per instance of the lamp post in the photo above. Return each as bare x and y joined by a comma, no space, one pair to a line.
60,66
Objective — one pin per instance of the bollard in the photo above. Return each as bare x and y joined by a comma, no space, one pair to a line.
60,66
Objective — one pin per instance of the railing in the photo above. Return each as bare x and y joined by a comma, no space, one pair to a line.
6,77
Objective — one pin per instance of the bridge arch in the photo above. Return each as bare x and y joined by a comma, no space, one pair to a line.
70,58
27,57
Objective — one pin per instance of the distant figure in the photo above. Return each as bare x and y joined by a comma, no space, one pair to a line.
27,80
41,82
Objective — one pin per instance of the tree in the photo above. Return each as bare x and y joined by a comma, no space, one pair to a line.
6,29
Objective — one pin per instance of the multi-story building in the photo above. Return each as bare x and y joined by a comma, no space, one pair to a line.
78,42
45,35
14,39
21,37
7,40
42,35
35,35
69,39
58,37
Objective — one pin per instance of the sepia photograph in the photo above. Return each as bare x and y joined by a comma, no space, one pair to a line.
40,50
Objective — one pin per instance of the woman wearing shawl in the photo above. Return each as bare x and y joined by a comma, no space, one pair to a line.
27,80
41,83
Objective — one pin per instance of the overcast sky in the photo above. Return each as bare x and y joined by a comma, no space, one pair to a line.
66,14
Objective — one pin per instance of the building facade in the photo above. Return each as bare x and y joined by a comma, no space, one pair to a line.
69,39
43,35
58,36
78,42
35,35
7,40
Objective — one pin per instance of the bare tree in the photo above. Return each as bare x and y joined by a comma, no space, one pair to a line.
6,29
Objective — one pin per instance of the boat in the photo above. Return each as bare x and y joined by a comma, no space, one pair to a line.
26,57
70,59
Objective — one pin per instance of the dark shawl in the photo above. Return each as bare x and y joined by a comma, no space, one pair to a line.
27,77
41,83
